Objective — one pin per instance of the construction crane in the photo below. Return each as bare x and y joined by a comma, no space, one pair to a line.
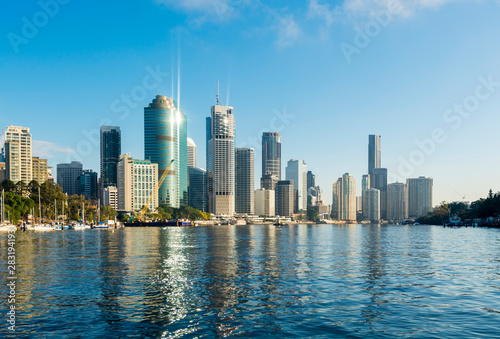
140,215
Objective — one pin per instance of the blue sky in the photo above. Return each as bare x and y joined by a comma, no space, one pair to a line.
325,74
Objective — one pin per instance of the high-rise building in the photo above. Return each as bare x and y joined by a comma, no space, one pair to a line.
110,154
344,196
374,154
359,204
244,181
220,159
88,184
284,196
419,196
18,160
137,180
296,171
110,197
265,204
397,202
335,199
371,204
40,170
68,176
311,180
198,189
378,180
2,171
271,154
165,139
268,181
366,182
191,153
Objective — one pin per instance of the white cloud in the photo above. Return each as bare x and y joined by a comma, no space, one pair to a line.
47,149
288,31
207,10
403,8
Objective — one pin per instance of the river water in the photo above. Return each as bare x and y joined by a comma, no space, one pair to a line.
254,281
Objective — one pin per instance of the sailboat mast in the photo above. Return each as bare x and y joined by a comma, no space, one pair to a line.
39,206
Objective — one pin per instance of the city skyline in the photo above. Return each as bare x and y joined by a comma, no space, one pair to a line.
416,109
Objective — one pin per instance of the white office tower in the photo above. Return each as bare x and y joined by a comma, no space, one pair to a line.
191,153
220,160
264,202
18,160
296,171
137,181
110,197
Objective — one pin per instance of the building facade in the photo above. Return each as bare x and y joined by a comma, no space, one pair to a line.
284,198
88,184
344,198
137,180
191,153
365,182
271,154
18,159
296,171
110,196
371,205
419,196
68,176
198,188
397,202
165,139
244,181
374,153
378,180
110,150
265,204
220,160
268,181
311,180
40,170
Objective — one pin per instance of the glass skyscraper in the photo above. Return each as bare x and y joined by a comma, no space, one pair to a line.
111,147
165,138
244,181
271,154
374,154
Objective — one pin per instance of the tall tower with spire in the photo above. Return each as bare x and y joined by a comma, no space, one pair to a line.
220,158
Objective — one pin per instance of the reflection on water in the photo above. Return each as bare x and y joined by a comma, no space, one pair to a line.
293,281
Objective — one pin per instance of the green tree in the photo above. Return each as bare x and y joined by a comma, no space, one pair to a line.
50,192
8,186
108,213
312,214
17,206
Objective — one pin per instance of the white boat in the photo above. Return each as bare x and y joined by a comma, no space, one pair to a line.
79,226
8,227
101,226
43,227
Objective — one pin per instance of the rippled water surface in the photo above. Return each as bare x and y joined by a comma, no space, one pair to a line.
255,281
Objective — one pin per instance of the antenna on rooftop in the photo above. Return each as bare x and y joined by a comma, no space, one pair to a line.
218,101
